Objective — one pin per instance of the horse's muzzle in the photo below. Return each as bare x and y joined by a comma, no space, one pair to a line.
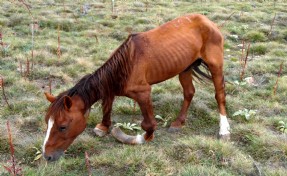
53,156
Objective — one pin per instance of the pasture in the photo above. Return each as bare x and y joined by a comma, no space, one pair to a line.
49,45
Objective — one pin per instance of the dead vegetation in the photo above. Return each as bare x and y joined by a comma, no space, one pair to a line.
54,43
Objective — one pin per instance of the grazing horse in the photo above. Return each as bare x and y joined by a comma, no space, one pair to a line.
177,47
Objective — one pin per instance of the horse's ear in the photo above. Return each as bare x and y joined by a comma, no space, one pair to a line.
50,97
67,102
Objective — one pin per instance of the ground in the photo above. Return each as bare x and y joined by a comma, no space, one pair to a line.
71,39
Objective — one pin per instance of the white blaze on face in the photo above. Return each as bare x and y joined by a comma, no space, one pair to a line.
224,125
50,125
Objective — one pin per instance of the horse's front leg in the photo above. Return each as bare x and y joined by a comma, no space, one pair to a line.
149,123
141,94
102,128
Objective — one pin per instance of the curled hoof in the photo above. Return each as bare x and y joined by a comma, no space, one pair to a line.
174,129
127,139
225,137
101,130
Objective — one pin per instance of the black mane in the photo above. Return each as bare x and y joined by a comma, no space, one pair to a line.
106,82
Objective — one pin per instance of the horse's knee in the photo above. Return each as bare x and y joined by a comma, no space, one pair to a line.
188,95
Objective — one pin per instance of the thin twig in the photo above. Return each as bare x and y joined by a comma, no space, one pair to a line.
2,43
12,150
50,85
27,73
64,8
113,6
271,26
13,170
277,80
32,50
242,54
3,92
59,43
220,26
88,163
32,27
245,63
20,67
27,7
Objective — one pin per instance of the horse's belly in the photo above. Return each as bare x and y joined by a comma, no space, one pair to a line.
162,70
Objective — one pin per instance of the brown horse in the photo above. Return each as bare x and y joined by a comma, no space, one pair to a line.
146,58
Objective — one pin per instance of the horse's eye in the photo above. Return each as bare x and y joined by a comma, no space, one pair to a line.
62,128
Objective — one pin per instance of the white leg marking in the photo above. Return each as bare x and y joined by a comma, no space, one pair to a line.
224,126
140,139
50,125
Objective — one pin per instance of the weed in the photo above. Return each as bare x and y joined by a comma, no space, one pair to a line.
89,32
88,163
59,53
220,26
276,84
38,154
282,126
128,126
244,62
239,83
284,35
278,53
259,49
245,113
271,26
13,169
255,36
164,120
3,92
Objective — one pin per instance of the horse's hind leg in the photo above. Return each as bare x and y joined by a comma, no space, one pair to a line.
185,79
214,59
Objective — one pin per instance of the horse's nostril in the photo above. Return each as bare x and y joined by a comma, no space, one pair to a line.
48,158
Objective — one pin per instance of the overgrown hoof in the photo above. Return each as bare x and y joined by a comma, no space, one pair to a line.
127,139
174,129
99,132
225,137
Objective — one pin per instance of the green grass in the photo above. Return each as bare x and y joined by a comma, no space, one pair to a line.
87,40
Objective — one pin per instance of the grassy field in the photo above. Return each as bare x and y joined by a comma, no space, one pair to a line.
73,38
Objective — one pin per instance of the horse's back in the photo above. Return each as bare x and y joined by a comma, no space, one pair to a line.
194,24
169,49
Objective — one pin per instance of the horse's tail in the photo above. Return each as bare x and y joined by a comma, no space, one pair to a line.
200,71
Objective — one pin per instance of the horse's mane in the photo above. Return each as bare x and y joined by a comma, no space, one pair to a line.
106,82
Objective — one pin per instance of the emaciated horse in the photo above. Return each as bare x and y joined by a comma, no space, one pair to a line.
175,48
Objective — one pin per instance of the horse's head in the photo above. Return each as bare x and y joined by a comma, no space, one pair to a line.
66,120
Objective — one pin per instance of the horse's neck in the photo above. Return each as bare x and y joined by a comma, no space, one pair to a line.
110,79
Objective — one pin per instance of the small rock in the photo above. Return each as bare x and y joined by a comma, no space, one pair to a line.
250,81
139,4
